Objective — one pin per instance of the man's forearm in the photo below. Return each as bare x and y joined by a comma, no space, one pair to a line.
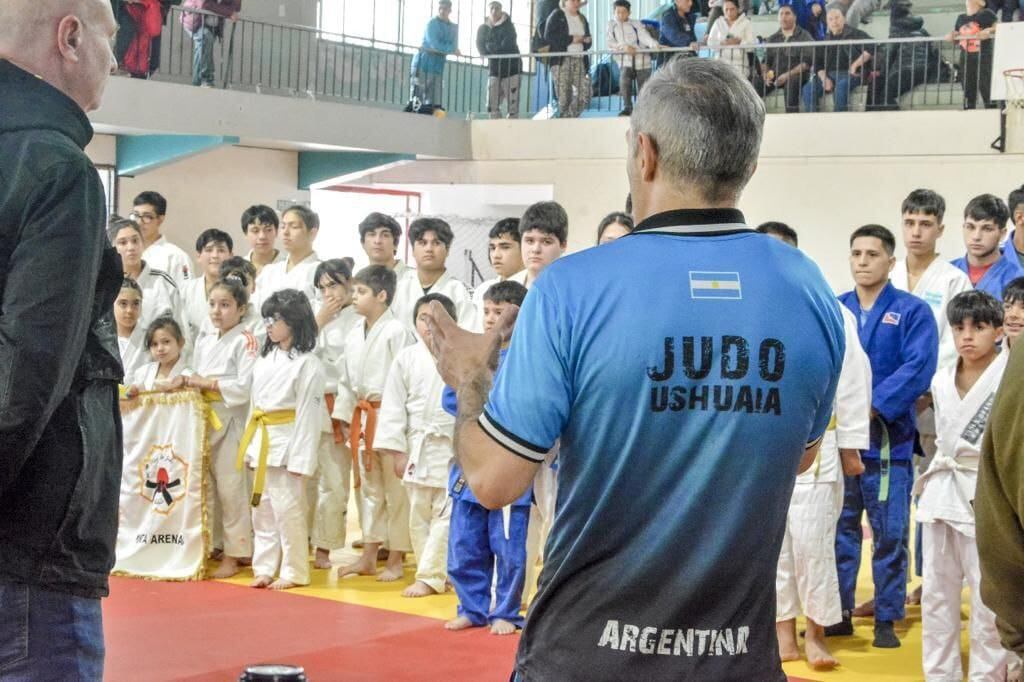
471,397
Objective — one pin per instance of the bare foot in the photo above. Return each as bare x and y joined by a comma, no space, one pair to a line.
366,565
914,598
502,627
818,655
865,610
418,589
323,558
785,632
261,581
228,567
282,584
460,623
394,570
217,554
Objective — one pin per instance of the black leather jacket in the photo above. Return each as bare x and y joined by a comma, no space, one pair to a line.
60,429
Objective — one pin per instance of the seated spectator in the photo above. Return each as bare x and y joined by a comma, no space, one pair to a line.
730,29
629,36
900,67
440,39
716,9
567,30
786,67
810,15
203,29
857,12
974,32
497,35
677,29
838,68
613,226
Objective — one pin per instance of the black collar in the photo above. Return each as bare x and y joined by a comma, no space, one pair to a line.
695,222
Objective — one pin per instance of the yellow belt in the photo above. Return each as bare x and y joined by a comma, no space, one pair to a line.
212,397
261,420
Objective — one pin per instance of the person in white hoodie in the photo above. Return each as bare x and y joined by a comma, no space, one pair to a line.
629,37
729,30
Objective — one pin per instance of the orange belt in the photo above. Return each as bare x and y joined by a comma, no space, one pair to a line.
335,423
356,430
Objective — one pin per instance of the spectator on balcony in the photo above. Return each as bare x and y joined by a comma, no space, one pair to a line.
838,68
567,30
903,66
1007,8
203,29
786,68
628,37
975,30
677,29
497,36
729,30
716,8
440,39
810,16
139,22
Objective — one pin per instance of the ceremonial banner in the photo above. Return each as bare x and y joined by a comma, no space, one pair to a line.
162,533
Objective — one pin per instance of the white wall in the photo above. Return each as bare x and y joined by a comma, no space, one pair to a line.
210,190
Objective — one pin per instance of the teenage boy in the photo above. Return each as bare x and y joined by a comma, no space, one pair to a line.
1015,204
484,542
369,351
380,235
506,257
416,433
149,210
545,234
963,394
988,268
259,225
629,36
1013,310
899,334
431,242
299,227
213,247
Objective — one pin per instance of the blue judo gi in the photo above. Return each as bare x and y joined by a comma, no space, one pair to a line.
901,340
998,276
478,547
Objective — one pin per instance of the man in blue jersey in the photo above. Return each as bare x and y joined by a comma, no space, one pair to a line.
988,268
685,400
899,334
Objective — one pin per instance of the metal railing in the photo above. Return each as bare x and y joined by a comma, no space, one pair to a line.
910,73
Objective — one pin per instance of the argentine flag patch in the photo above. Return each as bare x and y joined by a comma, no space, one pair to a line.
720,285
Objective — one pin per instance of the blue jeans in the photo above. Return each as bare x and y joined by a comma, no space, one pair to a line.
844,84
202,56
47,635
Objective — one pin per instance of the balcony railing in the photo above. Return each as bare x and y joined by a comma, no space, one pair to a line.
299,61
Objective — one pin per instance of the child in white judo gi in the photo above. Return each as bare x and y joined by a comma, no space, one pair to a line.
370,349
299,227
416,431
336,317
224,358
213,247
159,292
963,395
281,440
166,344
130,334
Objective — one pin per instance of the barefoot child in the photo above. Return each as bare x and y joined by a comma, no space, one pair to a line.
482,542
417,433
1013,310
167,372
224,359
806,573
963,395
130,334
370,349
336,317
280,442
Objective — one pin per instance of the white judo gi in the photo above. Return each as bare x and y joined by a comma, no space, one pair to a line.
481,291
946,512
285,381
160,297
170,258
409,291
276,276
134,354
195,308
279,256
363,371
806,574
230,360
144,377
334,472
413,422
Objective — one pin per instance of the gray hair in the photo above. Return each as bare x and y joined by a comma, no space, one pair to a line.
706,122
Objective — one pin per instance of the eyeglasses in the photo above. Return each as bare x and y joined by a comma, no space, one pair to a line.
143,217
